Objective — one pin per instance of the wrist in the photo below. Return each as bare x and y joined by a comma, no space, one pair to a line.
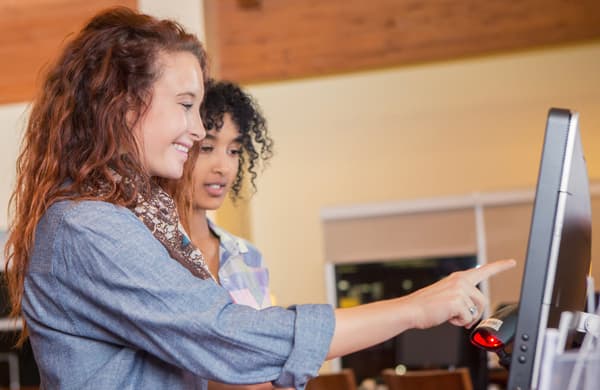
409,314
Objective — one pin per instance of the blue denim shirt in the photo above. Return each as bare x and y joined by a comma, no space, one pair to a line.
107,308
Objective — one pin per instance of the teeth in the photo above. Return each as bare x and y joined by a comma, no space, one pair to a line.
215,186
181,148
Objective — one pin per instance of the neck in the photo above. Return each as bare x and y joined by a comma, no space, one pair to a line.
203,238
198,225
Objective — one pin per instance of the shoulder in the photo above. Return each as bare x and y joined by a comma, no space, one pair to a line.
92,218
96,238
91,211
93,230
93,222
74,211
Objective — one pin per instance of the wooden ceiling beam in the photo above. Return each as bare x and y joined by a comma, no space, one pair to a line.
31,34
265,40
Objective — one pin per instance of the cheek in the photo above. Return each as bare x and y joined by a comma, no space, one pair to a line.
199,171
235,168
236,165
147,128
158,125
182,119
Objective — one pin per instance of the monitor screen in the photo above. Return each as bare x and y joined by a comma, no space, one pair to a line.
559,248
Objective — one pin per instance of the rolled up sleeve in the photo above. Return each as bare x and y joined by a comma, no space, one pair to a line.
313,332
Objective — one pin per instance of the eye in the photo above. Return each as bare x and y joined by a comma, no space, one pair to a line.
206,148
187,106
235,148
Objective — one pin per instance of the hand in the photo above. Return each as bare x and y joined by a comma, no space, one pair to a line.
454,298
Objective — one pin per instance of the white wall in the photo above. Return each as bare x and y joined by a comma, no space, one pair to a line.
190,13
12,121
418,131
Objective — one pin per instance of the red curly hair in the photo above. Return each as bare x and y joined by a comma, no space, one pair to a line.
80,127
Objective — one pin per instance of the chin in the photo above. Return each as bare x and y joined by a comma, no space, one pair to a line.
172,171
210,204
171,175
176,172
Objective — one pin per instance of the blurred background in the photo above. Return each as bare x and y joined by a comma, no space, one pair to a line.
380,109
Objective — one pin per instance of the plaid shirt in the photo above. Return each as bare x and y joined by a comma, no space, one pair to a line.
242,271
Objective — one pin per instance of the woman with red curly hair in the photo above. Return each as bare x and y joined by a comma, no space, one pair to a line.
112,292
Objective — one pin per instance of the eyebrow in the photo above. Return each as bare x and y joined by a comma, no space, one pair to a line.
190,94
210,136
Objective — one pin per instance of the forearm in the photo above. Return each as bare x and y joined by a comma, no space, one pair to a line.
454,299
366,325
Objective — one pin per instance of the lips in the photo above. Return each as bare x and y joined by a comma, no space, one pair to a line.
215,189
182,147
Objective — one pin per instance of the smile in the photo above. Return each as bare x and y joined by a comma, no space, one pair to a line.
181,148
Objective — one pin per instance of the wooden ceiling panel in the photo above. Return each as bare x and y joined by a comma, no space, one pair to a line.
31,34
264,40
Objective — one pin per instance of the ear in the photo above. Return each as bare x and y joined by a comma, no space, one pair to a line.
136,107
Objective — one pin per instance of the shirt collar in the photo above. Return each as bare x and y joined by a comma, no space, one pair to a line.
228,241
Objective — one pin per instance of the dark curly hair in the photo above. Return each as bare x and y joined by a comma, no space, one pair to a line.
220,98
224,97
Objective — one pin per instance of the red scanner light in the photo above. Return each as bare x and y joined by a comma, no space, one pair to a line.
486,340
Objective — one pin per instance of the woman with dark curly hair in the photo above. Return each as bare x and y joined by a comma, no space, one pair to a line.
236,145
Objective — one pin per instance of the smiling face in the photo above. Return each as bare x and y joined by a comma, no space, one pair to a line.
172,123
217,165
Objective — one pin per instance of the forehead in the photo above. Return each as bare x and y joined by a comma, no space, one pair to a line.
228,131
180,73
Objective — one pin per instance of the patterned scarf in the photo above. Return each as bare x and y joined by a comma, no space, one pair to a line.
159,214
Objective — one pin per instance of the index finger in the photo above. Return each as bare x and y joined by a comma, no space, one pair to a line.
478,274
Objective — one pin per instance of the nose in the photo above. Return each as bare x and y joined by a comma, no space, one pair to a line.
220,162
219,166
197,130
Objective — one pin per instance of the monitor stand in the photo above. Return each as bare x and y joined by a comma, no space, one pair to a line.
556,340
587,323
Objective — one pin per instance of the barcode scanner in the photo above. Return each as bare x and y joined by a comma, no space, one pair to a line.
496,333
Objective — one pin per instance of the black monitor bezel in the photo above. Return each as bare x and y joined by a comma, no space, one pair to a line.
561,143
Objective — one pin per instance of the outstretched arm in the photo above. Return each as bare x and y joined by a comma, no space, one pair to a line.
455,299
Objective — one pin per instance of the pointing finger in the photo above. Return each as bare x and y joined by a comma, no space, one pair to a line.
476,275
